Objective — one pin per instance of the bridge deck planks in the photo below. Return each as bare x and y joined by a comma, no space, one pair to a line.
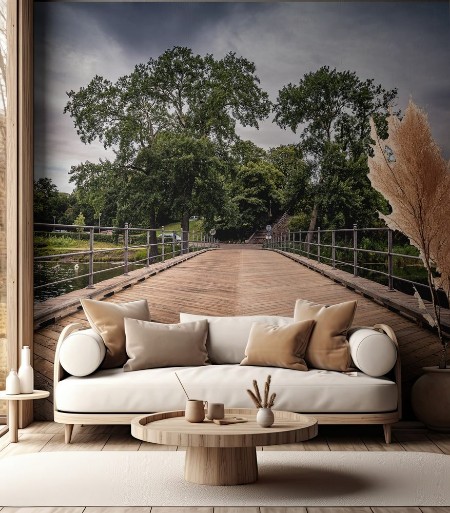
244,282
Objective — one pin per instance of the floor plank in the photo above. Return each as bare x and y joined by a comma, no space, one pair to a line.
416,442
28,443
338,510
122,443
80,443
58,509
378,444
441,440
122,509
403,509
235,509
281,509
200,509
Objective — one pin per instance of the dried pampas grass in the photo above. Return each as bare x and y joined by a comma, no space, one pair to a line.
409,171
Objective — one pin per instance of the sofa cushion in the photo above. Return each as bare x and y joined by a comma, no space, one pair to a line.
107,319
151,344
278,346
82,352
228,336
153,390
328,347
374,353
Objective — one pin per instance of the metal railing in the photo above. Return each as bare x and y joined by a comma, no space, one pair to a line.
127,242
323,246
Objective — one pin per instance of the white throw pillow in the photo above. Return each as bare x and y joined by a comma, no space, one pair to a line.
82,352
228,336
374,353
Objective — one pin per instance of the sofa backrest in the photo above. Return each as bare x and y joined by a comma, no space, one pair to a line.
228,336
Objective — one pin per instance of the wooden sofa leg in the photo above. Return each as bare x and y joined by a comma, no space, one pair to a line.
387,428
68,428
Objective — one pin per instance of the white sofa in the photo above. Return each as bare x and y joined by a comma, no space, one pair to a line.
113,396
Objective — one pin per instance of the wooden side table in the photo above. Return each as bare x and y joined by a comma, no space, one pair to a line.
13,410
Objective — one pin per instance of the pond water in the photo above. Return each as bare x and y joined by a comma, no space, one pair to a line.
48,272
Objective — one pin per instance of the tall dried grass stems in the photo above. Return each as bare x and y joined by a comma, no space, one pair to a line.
415,181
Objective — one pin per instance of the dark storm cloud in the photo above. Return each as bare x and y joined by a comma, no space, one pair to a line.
403,45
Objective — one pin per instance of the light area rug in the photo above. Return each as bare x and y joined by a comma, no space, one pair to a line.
286,478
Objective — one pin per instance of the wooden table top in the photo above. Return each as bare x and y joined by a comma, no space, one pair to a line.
171,428
37,394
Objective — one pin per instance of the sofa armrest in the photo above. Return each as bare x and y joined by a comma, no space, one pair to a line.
58,371
373,351
396,367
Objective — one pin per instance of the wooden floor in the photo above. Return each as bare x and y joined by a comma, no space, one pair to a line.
48,436
243,282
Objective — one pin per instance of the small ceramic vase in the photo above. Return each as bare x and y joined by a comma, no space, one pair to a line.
13,383
26,375
265,417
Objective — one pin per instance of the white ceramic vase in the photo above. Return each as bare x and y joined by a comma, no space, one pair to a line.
265,417
13,383
26,375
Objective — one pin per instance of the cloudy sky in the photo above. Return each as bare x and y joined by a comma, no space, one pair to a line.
404,45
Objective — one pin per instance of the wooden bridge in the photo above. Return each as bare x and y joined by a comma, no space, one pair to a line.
236,280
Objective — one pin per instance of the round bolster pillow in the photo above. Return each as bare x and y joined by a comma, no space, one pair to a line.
82,352
374,353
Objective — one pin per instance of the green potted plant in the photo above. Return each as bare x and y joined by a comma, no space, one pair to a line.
408,169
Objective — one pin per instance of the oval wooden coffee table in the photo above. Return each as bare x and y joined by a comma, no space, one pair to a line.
222,455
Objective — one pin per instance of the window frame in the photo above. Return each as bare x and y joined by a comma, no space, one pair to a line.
19,180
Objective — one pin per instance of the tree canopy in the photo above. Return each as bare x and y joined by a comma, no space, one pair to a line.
332,109
180,96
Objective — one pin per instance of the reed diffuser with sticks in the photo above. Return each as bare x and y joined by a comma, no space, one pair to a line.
265,416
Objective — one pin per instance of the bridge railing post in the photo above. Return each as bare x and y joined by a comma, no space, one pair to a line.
300,241
148,248
390,260
333,249
163,244
318,243
91,258
125,249
355,250
308,245
289,241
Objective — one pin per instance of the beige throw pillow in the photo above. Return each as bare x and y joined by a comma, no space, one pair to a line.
278,346
151,345
328,347
107,319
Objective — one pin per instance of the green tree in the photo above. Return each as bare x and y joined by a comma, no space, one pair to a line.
297,177
193,174
333,109
50,205
256,192
80,221
177,92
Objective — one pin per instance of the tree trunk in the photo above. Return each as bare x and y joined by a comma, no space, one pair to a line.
312,224
185,232
153,238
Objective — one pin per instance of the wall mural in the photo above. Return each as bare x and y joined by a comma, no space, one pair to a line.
161,128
